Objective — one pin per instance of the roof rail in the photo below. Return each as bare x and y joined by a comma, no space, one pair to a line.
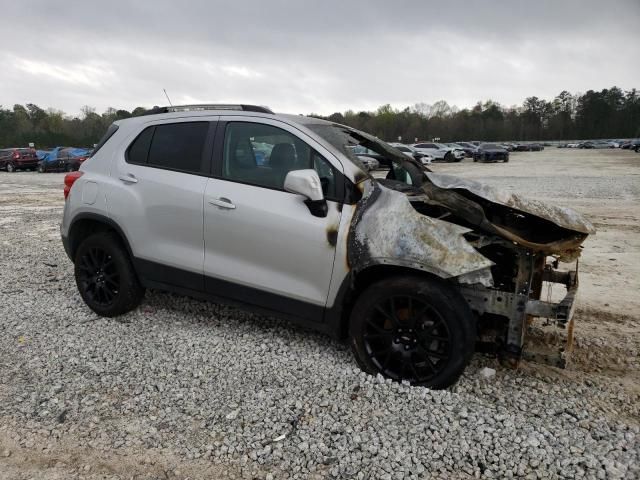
207,106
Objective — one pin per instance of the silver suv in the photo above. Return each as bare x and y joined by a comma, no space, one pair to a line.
275,213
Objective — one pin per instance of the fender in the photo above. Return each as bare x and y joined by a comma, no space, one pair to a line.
76,229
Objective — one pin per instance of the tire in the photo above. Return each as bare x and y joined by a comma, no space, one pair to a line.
68,167
105,276
11,167
448,157
41,169
413,328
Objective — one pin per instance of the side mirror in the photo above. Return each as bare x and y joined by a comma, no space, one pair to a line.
307,183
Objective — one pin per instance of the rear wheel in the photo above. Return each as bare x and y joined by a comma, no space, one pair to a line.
11,167
41,168
413,329
68,167
105,276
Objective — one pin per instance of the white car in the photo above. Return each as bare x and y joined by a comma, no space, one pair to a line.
439,151
236,204
409,151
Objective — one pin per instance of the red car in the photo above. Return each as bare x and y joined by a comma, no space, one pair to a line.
12,159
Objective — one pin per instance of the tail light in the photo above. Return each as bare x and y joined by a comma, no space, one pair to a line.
69,180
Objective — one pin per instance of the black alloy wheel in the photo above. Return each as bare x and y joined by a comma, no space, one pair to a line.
105,276
406,339
98,276
414,329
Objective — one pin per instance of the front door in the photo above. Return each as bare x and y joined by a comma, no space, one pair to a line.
262,244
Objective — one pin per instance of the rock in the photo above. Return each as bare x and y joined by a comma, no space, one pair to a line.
232,415
487,373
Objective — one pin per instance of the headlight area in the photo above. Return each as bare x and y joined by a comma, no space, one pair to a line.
513,318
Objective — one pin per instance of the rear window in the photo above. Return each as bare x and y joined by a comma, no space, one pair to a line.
175,146
178,146
113,128
139,149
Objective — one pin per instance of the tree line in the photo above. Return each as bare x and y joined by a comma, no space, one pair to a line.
609,113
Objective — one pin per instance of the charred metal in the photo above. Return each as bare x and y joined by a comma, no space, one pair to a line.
496,248
332,236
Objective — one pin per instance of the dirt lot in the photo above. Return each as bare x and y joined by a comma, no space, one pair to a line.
604,373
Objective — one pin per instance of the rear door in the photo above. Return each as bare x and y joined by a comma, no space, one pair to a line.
262,244
156,195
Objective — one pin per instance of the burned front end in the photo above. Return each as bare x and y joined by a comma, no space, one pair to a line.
499,249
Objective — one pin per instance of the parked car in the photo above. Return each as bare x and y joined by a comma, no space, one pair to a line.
468,148
522,147
528,147
490,152
456,147
439,152
63,159
596,144
407,267
370,162
409,151
12,159
369,158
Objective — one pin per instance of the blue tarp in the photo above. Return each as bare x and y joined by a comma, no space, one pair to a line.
42,153
52,156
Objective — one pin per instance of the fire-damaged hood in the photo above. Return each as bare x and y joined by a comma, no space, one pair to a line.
388,230
533,224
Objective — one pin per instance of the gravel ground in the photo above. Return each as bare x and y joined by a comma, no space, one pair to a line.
186,389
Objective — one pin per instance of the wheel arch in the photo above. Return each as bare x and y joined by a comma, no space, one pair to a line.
356,283
86,224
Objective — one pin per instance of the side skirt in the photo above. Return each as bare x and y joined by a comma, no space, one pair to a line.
161,277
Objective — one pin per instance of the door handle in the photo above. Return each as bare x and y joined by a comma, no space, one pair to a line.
222,203
128,178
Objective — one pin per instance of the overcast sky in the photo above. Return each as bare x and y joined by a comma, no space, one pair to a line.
304,56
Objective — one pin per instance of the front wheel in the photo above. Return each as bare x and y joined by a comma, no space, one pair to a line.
448,157
40,168
413,329
11,167
105,276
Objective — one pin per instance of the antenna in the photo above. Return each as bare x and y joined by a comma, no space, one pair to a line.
165,94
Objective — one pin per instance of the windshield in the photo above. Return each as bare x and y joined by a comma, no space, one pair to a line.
346,139
403,149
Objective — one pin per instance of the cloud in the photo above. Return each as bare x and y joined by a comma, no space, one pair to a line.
307,56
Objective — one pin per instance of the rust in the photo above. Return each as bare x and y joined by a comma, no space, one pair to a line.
569,347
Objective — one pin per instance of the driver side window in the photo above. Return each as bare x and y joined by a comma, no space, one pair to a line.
263,155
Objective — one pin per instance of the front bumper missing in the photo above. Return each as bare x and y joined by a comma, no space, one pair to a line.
521,310
562,313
